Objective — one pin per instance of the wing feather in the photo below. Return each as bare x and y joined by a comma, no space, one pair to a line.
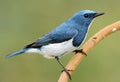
60,34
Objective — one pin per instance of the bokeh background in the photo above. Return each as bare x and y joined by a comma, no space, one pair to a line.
23,21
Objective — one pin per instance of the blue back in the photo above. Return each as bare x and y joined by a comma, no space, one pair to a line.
76,27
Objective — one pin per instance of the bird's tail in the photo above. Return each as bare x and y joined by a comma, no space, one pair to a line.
16,53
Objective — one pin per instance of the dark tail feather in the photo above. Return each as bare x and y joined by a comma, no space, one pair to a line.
16,53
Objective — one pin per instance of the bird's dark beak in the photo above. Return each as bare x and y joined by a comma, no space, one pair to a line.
98,14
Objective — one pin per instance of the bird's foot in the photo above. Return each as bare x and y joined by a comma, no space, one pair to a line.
64,69
67,72
80,51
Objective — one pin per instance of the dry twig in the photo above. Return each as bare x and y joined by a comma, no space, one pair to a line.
77,58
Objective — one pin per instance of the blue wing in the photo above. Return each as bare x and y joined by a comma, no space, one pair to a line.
60,34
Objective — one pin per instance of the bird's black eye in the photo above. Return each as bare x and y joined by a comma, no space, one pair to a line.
86,15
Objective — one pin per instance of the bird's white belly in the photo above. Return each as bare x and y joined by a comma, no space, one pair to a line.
56,49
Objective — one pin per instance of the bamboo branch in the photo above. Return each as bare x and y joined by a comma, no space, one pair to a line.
90,44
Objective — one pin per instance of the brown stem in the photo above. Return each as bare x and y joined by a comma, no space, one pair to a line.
92,42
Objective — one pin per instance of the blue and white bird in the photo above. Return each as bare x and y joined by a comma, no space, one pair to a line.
64,39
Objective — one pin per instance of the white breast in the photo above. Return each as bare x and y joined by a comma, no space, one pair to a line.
56,49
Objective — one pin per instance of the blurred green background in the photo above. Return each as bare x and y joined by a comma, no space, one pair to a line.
23,21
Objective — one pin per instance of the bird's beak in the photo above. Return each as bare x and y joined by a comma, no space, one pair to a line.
98,14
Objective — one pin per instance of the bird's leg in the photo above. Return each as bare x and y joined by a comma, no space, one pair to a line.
64,69
80,51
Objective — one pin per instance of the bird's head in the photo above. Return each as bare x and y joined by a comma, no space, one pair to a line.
85,17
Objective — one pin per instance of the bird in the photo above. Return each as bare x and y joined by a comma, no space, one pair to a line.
65,38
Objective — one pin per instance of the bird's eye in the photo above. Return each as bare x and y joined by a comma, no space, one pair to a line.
86,15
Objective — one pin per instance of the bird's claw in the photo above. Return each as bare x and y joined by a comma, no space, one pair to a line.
66,69
80,51
67,72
